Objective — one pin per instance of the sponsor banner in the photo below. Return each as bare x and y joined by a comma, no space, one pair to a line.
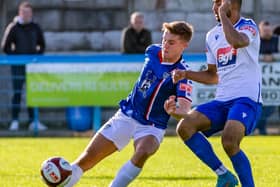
105,84
98,84
271,83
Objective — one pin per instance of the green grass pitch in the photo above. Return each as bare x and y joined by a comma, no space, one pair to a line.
172,166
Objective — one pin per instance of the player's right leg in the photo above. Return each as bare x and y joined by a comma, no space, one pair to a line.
113,136
242,120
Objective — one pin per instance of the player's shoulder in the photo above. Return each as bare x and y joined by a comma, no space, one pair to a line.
213,30
245,21
247,24
153,49
183,65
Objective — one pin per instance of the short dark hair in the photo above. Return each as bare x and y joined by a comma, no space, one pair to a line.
25,4
181,28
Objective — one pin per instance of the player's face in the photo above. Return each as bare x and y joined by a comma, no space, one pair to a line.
172,47
215,9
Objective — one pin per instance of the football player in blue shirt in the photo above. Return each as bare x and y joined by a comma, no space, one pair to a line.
141,115
232,57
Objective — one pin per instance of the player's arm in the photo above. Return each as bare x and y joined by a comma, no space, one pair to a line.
234,38
177,109
208,76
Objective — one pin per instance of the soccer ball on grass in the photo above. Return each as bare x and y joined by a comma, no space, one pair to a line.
56,171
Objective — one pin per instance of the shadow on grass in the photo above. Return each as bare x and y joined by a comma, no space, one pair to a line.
171,178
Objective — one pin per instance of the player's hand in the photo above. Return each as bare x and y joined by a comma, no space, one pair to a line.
225,7
177,75
170,105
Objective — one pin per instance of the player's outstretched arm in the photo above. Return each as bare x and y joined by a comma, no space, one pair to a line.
208,76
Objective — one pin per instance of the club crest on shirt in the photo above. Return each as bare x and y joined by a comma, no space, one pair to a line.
166,75
147,82
226,56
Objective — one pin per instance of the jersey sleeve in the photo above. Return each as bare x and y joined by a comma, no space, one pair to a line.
209,55
152,50
185,87
249,28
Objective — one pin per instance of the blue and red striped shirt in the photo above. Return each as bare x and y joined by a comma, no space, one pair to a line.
154,85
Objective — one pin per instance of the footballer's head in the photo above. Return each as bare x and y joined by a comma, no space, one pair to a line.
175,38
235,6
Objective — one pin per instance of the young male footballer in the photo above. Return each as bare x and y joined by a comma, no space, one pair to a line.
232,57
141,115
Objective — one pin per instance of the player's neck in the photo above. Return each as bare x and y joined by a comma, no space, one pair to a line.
235,18
171,60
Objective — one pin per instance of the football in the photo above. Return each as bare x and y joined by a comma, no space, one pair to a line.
56,171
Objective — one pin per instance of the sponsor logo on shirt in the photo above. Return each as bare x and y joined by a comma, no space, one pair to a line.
226,56
249,28
185,87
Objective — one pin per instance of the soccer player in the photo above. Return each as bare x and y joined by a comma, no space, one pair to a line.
141,115
232,58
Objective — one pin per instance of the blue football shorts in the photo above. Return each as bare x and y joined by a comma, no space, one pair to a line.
241,109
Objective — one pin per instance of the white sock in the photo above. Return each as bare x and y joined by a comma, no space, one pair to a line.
221,170
126,174
77,173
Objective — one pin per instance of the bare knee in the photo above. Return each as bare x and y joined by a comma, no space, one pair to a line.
144,153
184,130
232,135
230,145
141,155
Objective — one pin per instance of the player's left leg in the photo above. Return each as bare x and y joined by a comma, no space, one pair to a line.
209,118
147,142
241,121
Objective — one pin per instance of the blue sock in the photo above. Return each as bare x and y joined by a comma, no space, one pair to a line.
242,167
203,150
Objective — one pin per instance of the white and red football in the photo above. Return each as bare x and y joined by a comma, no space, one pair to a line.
56,171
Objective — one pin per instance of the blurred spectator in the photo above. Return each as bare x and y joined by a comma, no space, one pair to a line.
276,30
269,42
135,38
269,48
22,36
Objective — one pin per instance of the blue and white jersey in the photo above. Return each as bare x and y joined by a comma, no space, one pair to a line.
238,69
154,85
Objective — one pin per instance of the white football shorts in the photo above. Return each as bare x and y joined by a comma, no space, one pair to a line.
121,128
